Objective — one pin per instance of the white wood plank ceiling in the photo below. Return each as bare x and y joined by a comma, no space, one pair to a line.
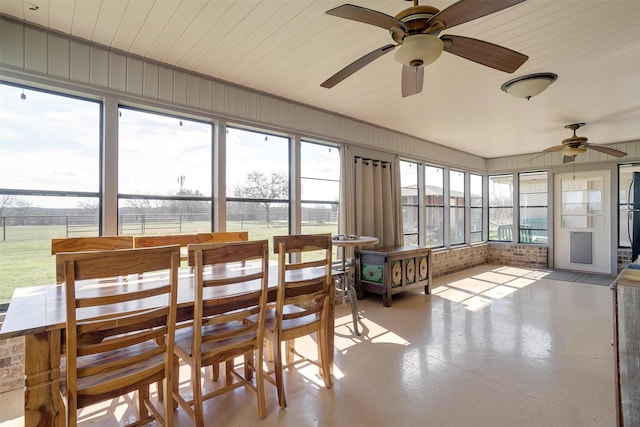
288,47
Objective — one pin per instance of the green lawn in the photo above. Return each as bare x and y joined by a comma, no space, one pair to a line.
26,260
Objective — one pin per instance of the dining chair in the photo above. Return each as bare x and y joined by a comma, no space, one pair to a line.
119,336
221,237
302,304
228,320
80,244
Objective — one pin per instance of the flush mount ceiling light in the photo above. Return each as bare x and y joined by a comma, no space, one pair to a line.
529,85
419,50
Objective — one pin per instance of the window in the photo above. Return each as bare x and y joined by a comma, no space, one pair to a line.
456,207
410,202
257,183
49,179
164,174
533,207
320,187
501,208
476,196
625,177
434,206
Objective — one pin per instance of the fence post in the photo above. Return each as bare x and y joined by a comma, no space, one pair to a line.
66,220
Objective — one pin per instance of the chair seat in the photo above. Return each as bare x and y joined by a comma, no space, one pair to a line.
290,324
184,340
120,381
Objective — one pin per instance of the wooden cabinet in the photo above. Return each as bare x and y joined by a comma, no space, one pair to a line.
626,342
392,269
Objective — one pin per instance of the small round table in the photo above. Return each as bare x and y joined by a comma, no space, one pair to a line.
346,287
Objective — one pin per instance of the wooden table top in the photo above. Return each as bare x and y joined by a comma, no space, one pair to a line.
36,309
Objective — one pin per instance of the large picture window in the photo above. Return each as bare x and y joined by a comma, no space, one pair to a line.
49,180
533,207
434,205
456,207
476,210
164,173
320,187
410,202
257,183
501,208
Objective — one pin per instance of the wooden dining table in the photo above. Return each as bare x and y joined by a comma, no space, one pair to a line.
38,314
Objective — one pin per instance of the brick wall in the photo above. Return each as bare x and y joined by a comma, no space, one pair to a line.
11,363
624,258
458,259
532,256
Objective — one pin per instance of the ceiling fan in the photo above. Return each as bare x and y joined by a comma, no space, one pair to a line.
415,31
575,145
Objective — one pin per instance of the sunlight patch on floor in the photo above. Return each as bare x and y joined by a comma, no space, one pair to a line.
483,289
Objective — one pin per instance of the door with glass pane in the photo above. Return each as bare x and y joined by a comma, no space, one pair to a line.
582,219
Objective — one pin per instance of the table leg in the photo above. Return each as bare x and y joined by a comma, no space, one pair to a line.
349,289
42,380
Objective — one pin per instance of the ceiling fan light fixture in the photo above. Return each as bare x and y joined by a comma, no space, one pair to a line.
573,151
418,50
529,85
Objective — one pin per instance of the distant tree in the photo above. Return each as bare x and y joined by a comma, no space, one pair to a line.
88,207
265,189
144,206
12,205
189,206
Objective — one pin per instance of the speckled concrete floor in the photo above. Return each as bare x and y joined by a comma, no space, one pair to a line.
492,346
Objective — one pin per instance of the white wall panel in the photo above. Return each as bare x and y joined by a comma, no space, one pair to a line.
12,43
58,50
230,100
35,53
80,62
117,71
180,87
150,80
193,90
99,67
218,97
135,76
206,98
165,84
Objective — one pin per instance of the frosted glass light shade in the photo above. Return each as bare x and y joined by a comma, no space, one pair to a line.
419,50
573,151
529,85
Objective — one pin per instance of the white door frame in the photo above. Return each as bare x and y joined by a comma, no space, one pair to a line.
597,232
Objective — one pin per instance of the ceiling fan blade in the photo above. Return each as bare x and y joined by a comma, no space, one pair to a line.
554,148
568,159
356,65
412,80
484,53
606,150
468,10
368,16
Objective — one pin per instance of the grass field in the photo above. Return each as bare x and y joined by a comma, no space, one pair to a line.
26,260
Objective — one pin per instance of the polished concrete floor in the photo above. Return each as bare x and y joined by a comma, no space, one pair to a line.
492,346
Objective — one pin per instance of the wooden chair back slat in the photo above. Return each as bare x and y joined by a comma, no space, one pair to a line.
148,241
223,237
82,244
